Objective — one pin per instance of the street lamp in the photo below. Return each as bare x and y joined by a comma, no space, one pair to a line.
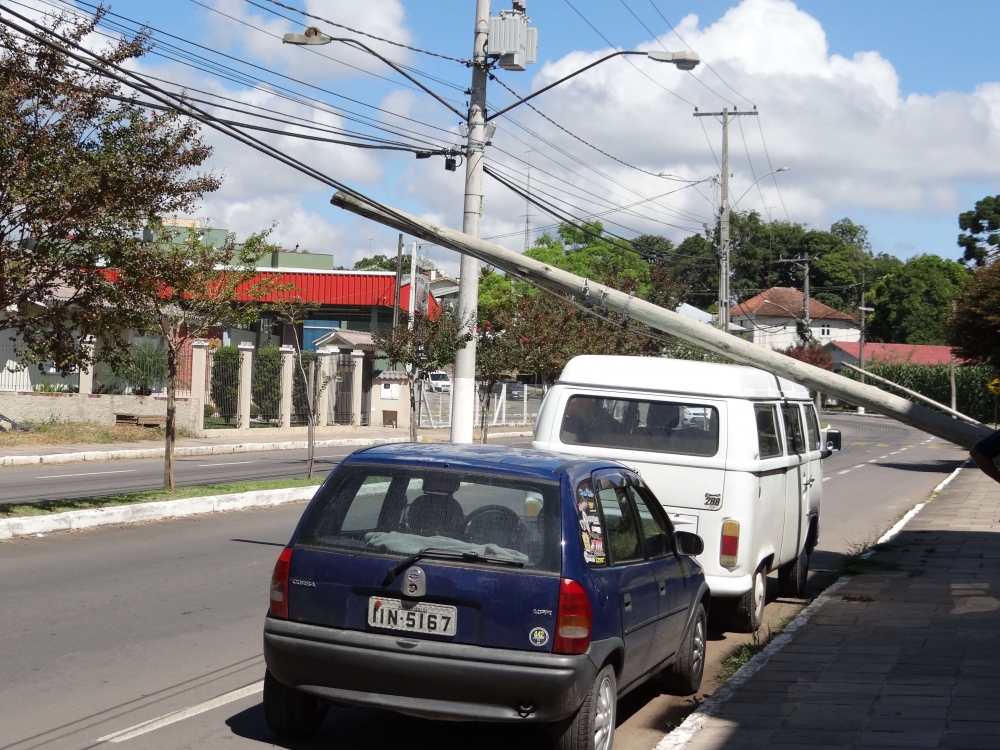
779,169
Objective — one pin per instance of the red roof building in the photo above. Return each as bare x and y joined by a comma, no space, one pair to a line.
771,319
905,354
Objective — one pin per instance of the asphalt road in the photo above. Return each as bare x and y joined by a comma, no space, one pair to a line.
106,630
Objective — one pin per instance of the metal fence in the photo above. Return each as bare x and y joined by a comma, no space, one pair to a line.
434,408
223,388
300,402
17,376
342,386
265,388
144,372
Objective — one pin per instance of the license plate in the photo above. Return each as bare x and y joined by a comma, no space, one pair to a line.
422,617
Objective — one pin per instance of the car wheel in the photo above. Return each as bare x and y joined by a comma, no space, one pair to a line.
748,613
792,577
593,727
290,713
683,677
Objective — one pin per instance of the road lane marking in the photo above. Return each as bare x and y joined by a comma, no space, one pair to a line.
844,471
228,463
187,713
826,479
88,474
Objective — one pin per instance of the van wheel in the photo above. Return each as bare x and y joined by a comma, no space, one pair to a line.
683,677
593,727
290,713
748,614
792,577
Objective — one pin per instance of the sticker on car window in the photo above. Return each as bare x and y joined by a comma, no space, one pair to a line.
590,524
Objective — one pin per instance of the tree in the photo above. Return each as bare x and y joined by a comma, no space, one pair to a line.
811,354
428,345
499,352
382,263
585,252
974,329
913,304
84,167
981,231
179,288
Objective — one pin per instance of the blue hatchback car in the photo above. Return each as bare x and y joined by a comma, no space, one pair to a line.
482,583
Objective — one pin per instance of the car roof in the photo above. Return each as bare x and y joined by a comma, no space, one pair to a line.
666,375
494,459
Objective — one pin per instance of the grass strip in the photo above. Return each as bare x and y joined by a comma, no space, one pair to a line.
76,433
15,510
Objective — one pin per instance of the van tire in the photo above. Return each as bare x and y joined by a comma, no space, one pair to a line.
683,677
289,712
748,613
598,710
792,577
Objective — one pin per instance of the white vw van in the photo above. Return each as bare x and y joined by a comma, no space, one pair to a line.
733,453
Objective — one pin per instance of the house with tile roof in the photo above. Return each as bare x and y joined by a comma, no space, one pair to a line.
771,317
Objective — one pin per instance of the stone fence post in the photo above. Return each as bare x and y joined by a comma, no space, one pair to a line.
199,376
86,384
358,371
246,373
326,366
287,373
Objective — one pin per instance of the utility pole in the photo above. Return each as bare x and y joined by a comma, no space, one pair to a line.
399,280
954,390
468,285
413,283
527,209
861,341
724,297
805,333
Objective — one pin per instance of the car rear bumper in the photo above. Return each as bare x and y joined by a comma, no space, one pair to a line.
729,585
429,679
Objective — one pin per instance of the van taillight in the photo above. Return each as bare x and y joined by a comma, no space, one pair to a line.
279,585
730,548
574,619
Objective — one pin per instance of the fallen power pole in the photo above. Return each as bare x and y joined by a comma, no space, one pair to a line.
953,411
710,338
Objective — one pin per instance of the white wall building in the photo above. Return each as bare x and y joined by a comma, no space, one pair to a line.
770,319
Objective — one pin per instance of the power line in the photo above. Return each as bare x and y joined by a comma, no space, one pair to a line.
601,34
753,174
775,179
467,63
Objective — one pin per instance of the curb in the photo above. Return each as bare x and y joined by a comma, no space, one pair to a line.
75,520
209,450
685,732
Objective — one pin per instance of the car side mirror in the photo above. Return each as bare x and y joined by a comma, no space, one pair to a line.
833,443
688,543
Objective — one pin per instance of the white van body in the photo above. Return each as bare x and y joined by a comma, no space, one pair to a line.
722,475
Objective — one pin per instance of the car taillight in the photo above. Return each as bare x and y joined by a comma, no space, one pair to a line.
730,549
574,619
279,585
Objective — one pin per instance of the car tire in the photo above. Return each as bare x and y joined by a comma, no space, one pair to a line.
683,677
593,726
289,712
792,577
748,613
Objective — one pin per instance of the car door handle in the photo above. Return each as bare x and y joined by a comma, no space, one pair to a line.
628,602
663,588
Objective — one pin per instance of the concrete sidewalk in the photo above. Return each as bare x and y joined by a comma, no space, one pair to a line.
906,654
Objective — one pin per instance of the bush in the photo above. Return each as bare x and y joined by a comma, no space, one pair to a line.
934,381
811,354
265,384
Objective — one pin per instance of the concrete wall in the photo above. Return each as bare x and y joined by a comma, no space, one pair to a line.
101,409
400,405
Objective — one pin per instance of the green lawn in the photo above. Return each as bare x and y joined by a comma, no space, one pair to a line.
13,510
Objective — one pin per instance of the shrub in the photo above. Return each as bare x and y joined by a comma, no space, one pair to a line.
224,385
265,384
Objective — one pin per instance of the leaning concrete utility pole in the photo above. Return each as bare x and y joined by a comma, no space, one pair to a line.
468,278
724,244
660,319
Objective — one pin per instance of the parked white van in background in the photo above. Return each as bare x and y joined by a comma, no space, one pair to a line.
733,453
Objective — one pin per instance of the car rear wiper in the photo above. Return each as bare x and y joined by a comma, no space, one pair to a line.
447,554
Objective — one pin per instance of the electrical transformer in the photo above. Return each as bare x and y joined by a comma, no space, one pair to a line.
511,40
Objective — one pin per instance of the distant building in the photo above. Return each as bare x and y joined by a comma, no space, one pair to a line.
695,313
771,317
906,354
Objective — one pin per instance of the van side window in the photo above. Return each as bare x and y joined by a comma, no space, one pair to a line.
812,425
768,439
794,440
632,424
591,530
619,518
656,531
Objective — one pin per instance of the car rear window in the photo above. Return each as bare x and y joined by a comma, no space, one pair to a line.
631,424
438,376
402,511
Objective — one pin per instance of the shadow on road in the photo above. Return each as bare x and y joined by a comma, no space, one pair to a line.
940,466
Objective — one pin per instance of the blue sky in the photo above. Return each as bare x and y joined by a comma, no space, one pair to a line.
900,140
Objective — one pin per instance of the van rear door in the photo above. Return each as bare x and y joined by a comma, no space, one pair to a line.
431,553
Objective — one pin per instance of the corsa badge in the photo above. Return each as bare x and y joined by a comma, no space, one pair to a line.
538,636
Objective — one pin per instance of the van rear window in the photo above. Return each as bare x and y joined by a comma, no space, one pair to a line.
632,424
398,511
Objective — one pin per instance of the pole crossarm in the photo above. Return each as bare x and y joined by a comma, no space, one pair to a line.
734,113
565,78
904,389
661,319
